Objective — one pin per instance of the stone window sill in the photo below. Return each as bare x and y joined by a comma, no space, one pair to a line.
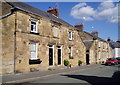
34,33
37,61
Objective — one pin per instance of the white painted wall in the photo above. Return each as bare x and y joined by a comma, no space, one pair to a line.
116,52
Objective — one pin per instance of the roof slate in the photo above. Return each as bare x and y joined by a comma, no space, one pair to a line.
88,44
114,44
95,36
33,10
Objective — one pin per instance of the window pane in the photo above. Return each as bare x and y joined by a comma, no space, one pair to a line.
70,51
70,35
33,22
33,55
33,47
33,26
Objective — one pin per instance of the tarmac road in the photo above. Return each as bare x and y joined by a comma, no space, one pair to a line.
95,75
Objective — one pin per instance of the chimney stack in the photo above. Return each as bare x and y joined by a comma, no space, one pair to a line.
95,33
108,39
54,11
79,27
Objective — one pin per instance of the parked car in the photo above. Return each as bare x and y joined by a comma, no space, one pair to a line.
118,58
111,61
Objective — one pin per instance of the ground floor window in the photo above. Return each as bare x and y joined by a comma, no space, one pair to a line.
70,53
33,50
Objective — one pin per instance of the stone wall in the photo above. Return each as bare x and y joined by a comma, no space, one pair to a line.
97,54
93,53
17,38
8,29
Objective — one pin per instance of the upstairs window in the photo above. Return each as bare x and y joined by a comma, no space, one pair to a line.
70,35
34,26
99,44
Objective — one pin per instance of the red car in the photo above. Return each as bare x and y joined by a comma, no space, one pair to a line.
111,61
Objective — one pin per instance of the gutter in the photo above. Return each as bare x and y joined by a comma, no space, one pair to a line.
10,13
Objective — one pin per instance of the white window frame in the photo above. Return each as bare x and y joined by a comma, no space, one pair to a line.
70,52
70,35
36,51
36,28
61,53
99,44
53,53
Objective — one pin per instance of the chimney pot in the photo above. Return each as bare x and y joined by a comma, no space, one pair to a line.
79,27
95,33
54,11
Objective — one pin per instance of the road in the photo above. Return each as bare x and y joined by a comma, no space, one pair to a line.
92,76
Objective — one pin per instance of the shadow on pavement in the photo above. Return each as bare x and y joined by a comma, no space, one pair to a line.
94,80
118,66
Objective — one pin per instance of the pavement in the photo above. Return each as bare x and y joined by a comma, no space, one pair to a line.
23,77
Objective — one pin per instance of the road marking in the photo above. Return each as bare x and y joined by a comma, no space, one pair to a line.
28,79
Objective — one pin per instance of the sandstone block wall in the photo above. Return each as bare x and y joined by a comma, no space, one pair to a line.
16,39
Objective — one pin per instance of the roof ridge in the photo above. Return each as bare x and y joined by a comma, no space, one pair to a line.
39,12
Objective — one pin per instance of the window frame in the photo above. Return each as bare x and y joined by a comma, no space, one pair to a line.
70,51
36,51
99,44
70,35
36,28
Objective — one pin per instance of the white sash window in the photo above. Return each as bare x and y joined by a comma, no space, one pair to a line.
33,48
70,51
34,26
70,35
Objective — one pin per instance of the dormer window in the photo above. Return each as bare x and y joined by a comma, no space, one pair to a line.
70,35
34,27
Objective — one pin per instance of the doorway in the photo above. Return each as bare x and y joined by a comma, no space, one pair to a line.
87,59
59,55
51,55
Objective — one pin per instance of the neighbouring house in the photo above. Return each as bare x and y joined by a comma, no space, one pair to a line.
97,49
115,47
34,40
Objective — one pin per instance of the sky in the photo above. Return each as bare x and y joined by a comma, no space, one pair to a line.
96,16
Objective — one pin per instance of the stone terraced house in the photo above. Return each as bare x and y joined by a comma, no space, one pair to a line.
115,47
36,40
97,49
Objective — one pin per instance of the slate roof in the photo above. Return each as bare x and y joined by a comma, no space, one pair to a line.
95,37
114,44
25,7
88,44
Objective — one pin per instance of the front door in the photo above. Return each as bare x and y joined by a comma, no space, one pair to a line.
59,55
50,55
87,59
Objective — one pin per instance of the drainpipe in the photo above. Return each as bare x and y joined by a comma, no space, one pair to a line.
4,16
15,43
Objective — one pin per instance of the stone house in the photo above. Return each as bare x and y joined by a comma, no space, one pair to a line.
36,40
97,49
115,47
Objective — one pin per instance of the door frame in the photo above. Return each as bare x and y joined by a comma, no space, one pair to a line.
61,53
53,54
87,59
